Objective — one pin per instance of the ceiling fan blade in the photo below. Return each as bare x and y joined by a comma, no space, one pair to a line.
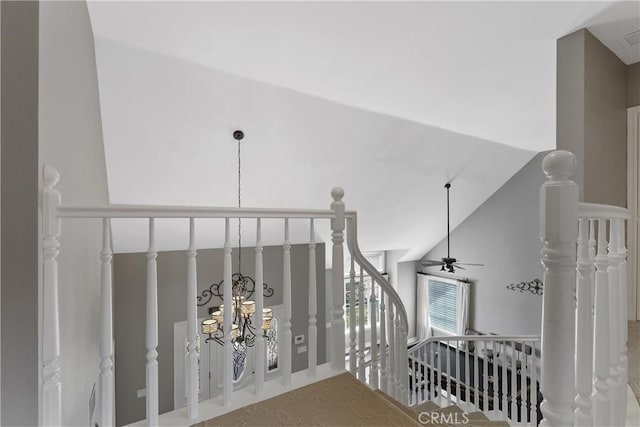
458,267
431,263
468,263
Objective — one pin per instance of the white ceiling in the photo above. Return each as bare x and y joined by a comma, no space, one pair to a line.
389,100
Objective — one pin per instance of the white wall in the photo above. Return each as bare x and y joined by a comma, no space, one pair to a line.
402,276
71,141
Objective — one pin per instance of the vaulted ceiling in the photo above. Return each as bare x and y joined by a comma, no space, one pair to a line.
389,100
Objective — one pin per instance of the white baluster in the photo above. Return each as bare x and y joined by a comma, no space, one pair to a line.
413,396
584,329
622,294
313,304
558,220
259,299
105,380
399,361
286,300
600,397
192,324
467,379
494,376
476,379
152,329
534,388
361,327
485,379
383,343
353,362
404,366
458,397
51,386
614,326
523,384
337,293
439,371
392,351
448,379
514,379
505,385
432,380
373,308
227,347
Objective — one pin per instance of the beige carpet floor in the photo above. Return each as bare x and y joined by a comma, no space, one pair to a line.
338,401
633,352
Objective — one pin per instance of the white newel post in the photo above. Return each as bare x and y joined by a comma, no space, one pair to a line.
614,326
152,329
558,230
584,329
51,386
259,298
105,380
337,292
286,300
313,305
227,355
600,398
192,324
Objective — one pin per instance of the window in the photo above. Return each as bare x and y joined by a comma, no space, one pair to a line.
377,260
443,304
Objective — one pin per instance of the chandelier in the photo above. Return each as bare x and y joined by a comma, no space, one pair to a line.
243,327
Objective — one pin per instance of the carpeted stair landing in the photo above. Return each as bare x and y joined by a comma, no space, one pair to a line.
337,401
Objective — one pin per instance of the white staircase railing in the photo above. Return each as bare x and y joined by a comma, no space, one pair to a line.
388,305
386,368
497,375
584,326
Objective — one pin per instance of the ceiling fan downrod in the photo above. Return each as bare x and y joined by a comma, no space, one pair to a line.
448,186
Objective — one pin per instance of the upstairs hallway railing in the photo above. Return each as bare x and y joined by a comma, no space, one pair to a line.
385,304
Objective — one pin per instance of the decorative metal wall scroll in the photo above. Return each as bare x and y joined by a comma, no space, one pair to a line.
534,286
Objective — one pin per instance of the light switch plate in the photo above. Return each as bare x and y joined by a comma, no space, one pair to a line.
298,339
302,349
141,393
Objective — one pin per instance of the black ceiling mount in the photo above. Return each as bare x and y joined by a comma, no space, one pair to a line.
447,263
238,135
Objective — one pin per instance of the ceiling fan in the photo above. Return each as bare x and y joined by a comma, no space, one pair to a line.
447,263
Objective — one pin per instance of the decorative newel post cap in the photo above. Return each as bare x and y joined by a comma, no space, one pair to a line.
559,164
337,193
51,176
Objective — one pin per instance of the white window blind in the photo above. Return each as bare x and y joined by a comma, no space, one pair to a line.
443,305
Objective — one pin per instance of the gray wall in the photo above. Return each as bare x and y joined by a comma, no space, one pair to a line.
633,84
130,302
503,235
591,116
19,218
